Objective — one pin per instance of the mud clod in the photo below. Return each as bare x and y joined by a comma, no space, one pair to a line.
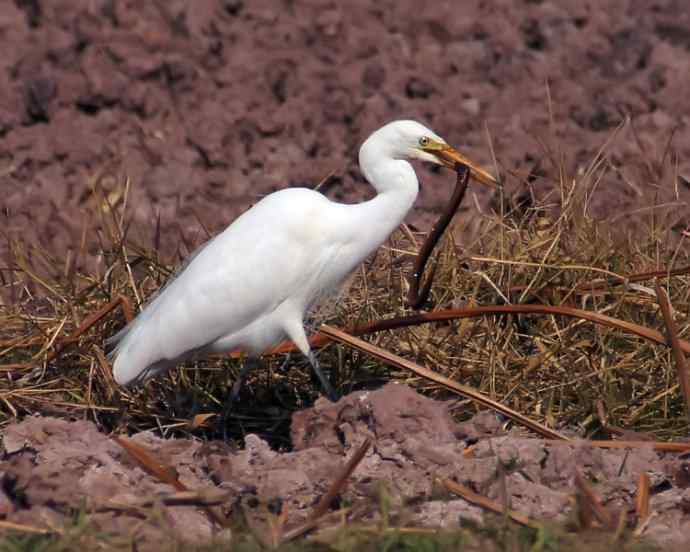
52,467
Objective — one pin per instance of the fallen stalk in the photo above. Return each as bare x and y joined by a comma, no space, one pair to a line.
204,498
20,527
674,342
164,473
604,284
642,507
399,362
592,504
335,488
484,502
321,339
657,446
89,322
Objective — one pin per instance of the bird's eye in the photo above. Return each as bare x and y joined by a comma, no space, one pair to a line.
424,141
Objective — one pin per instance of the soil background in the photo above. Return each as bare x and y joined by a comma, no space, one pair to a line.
53,465
207,105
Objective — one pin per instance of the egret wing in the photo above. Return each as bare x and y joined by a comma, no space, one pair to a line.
244,273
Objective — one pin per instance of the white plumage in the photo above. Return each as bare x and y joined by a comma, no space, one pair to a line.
250,286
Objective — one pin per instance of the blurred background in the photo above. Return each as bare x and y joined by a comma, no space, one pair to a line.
200,107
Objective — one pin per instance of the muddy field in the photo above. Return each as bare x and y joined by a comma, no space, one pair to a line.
52,465
207,105
202,107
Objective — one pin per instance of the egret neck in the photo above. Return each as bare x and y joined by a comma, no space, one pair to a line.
397,188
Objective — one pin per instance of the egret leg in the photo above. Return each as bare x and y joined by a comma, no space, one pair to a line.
249,364
276,389
295,331
325,384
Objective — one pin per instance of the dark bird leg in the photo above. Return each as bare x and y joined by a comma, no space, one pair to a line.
249,364
295,331
325,384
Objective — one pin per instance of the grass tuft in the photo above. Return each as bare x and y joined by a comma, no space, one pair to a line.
562,372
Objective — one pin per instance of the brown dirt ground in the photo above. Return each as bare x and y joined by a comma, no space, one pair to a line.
207,105
51,466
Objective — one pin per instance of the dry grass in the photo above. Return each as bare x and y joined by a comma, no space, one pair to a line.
563,372
495,535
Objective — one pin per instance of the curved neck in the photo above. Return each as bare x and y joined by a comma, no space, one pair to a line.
397,187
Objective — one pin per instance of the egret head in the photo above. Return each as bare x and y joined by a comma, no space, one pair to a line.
411,140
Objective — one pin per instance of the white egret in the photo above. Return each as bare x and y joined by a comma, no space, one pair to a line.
250,286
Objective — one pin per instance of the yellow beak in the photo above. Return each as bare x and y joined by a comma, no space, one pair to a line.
449,156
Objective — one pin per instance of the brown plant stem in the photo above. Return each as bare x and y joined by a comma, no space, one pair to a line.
416,297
